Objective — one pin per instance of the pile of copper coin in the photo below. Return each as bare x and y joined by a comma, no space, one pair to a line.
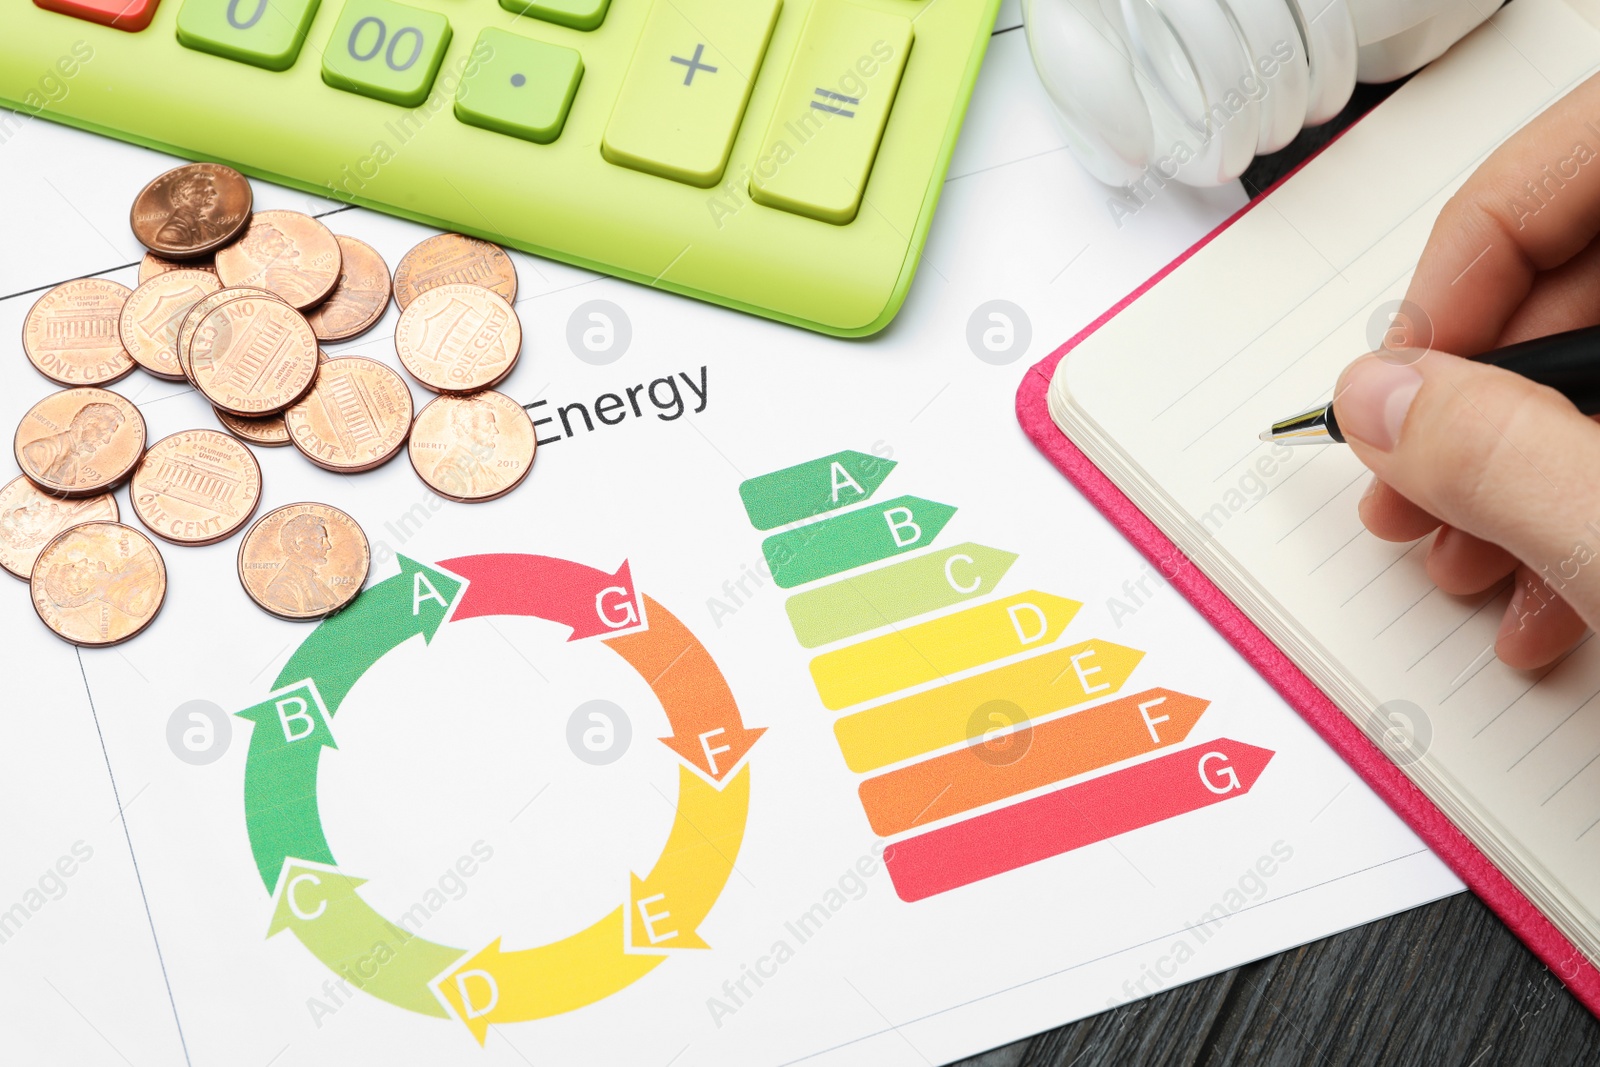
238,303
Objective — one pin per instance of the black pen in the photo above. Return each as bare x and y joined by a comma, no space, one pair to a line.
1567,362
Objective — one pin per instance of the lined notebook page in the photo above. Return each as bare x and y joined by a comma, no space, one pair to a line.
1168,398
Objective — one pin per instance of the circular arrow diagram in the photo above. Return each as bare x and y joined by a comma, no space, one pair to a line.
661,912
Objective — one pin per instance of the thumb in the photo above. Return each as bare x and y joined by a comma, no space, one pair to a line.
1486,451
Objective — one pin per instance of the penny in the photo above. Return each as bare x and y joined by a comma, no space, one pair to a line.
201,308
29,519
152,264
196,487
253,356
71,336
191,210
451,259
283,252
304,561
473,448
359,299
153,313
458,338
355,418
268,431
98,583
79,442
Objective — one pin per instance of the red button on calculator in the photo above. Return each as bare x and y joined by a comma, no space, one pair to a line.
130,15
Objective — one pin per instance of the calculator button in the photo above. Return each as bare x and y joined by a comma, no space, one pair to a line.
130,15
264,33
386,50
523,89
831,111
579,14
686,87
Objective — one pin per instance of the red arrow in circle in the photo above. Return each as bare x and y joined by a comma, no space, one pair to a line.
587,599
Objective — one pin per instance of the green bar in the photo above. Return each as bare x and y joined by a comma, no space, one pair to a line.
814,488
896,592
854,539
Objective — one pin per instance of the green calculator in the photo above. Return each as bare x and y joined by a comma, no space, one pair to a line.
781,157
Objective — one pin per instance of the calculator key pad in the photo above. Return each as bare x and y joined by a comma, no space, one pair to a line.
263,33
578,14
686,87
524,88
386,50
831,111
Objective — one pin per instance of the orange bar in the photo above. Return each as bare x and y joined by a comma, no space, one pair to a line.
1003,765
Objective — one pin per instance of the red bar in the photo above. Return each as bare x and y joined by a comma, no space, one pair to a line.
1069,818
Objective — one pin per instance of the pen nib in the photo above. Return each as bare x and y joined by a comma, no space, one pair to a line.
1314,427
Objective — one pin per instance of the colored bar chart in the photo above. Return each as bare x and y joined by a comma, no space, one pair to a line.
989,738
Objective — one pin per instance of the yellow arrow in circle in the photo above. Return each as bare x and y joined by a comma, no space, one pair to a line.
665,908
496,986
508,987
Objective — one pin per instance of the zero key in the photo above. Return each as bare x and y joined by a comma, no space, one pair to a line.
831,111
686,87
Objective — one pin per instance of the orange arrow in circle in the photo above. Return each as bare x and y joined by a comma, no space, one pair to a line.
707,730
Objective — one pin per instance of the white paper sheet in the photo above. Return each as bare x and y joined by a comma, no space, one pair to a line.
157,952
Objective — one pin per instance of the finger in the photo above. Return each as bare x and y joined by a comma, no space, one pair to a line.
1488,452
1530,207
1391,516
1462,565
1561,299
1539,625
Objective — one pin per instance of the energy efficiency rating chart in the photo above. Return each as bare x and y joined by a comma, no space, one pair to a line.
990,740
656,914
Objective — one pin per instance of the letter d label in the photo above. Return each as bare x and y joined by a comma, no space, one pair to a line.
467,1005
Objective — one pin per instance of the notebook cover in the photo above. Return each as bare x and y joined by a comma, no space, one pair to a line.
1368,761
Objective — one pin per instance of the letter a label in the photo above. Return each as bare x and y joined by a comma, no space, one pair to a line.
841,479
423,591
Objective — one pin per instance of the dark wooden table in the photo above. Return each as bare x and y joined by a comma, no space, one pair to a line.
1444,984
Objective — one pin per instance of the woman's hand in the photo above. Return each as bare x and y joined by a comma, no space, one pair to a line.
1507,471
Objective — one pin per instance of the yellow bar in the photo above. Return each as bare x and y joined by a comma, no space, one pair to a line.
931,650
961,711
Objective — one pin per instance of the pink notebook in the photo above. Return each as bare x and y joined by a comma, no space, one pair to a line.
1252,323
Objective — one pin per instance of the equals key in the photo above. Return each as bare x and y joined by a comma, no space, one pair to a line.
834,109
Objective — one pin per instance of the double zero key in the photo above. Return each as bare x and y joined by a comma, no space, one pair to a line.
385,50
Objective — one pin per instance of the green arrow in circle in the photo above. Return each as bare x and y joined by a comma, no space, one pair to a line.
343,646
280,779
813,488
329,917
853,539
